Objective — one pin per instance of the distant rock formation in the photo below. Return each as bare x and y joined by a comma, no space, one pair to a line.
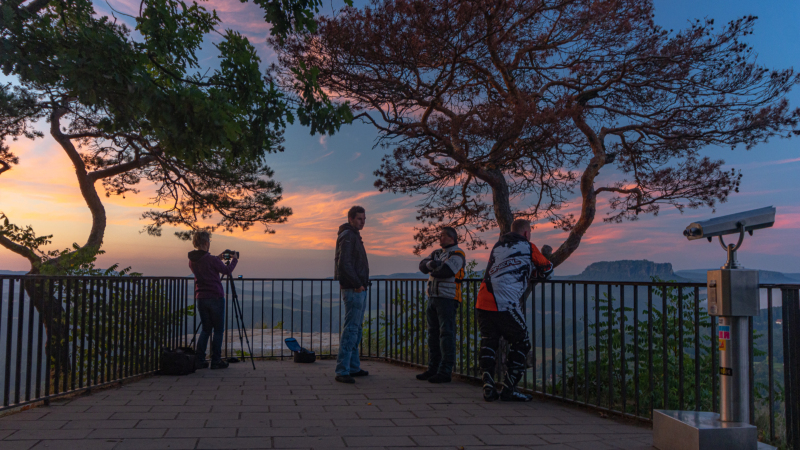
627,270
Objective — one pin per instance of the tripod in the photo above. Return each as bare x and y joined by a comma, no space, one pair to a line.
238,314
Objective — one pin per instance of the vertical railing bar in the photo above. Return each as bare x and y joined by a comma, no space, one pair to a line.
597,341
680,349
20,326
751,371
771,380
714,365
563,340
82,353
636,349
46,307
586,343
610,316
553,337
534,339
697,349
623,360
665,356
650,348
544,341
302,310
283,325
2,284
29,362
574,343
74,339
57,345
9,340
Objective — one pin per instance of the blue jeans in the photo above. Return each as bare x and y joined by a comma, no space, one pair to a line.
212,317
348,360
441,334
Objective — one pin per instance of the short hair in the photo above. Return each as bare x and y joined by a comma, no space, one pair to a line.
200,237
452,233
520,225
355,210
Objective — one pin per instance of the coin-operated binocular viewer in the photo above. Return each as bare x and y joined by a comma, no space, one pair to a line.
732,298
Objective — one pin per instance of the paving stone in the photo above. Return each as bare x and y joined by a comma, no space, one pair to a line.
517,439
376,441
20,445
83,444
402,431
156,444
338,431
308,442
364,422
22,435
234,443
99,424
31,424
272,432
128,433
200,432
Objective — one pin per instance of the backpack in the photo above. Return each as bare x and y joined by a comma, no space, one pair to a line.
179,361
301,355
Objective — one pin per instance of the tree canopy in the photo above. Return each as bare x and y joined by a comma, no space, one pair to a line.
503,109
131,108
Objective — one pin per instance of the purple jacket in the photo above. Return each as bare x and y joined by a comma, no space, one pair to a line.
206,269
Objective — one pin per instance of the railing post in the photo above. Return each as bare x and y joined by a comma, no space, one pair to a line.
790,307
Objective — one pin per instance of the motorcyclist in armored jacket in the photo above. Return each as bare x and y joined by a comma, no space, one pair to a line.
445,268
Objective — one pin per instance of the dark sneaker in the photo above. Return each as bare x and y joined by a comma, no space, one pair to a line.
490,393
512,395
425,375
360,373
219,365
345,379
439,378
200,364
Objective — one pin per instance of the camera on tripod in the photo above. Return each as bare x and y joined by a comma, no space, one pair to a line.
228,254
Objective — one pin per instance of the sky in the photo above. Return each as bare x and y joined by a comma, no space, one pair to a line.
323,176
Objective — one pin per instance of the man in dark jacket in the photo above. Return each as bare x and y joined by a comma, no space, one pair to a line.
209,298
352,271
445,268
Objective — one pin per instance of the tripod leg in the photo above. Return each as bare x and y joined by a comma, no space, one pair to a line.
239,313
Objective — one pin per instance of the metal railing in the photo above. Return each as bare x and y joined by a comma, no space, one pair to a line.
625,348
63,335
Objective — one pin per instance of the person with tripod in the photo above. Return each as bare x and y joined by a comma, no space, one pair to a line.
209,298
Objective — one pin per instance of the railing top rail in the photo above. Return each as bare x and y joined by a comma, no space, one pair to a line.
567,282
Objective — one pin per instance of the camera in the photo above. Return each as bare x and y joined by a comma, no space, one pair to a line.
731,224
228,254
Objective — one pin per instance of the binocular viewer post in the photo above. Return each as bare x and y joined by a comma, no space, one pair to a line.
733,298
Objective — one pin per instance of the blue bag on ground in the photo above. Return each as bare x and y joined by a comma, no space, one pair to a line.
301,355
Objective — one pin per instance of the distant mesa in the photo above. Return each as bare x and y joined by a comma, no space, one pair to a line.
626,270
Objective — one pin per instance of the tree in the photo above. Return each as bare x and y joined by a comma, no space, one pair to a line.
502,109
129,110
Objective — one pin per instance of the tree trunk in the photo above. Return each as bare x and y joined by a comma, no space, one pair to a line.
500,199
51,314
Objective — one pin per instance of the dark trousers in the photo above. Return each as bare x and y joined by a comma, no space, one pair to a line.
212,317
510,326
441,334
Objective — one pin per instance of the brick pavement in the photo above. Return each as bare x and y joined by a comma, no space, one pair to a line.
287,405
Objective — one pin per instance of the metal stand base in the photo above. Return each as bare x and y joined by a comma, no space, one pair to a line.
693,430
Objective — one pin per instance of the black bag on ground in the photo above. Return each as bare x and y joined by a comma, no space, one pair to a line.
301,355
179,361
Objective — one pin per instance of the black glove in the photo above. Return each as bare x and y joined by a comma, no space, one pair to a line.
434,264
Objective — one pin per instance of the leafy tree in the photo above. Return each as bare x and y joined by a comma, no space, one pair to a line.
128,111
496,110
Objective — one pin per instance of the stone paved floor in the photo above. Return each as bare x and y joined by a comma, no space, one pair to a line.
286,405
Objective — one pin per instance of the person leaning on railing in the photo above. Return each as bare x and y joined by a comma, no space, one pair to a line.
505,284
445,267
351,269
209,298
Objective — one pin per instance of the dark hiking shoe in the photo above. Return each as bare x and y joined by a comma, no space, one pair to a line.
439,378
360,373
425,375
200,364
512,395
490,393
345,379
219,365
